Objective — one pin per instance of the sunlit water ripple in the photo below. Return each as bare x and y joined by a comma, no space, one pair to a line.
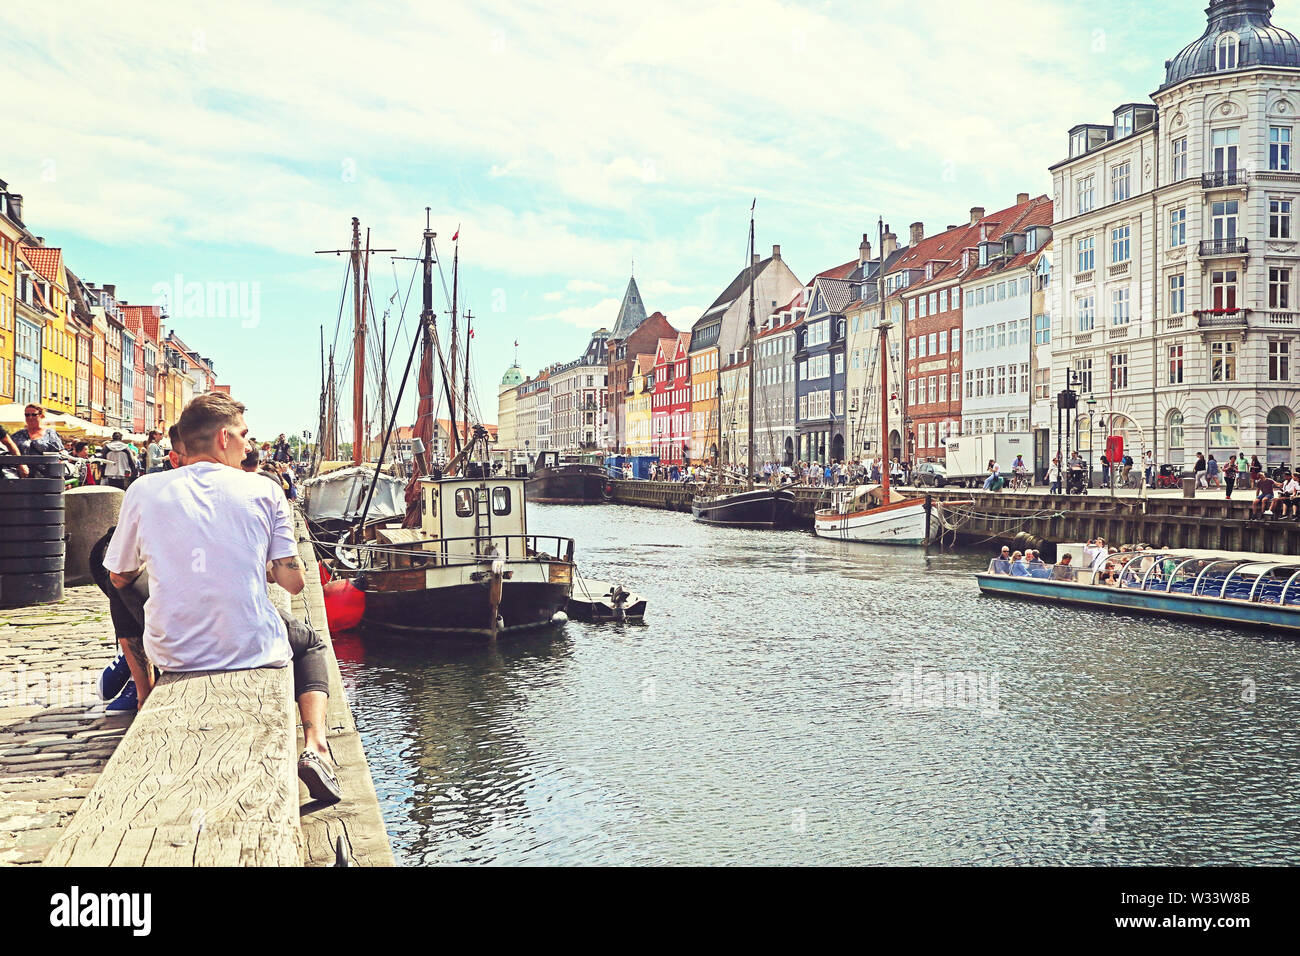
751,719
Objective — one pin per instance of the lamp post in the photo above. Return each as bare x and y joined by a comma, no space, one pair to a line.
1092,424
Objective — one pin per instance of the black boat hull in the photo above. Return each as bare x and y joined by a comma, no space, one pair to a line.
567,485
464,609
760,508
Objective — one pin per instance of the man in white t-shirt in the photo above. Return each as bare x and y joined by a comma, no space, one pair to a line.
206,533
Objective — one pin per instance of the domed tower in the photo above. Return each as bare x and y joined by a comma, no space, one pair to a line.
506,394
1239,36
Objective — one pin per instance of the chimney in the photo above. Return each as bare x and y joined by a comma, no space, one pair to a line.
864,251
110,290
1022,198
976,213
776,252
889,244
918,232
757,260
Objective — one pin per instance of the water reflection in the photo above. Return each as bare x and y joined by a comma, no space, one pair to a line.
757,717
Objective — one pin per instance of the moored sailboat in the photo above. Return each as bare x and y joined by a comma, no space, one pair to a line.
757,506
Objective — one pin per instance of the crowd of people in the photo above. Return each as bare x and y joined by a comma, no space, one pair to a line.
120,461
809,474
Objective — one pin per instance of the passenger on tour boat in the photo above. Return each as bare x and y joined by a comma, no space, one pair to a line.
1018,567
1064,569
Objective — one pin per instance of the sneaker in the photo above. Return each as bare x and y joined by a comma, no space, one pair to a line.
113,678
321,782
125,702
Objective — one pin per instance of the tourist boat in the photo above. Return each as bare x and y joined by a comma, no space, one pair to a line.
565,482
756,506
461,561
1216,587
865,514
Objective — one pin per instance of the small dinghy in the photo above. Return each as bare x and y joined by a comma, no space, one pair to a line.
602,601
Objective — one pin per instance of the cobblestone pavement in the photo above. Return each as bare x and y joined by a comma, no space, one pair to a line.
54,735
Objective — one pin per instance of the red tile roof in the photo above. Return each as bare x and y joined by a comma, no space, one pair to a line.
146,317
839,272
46,260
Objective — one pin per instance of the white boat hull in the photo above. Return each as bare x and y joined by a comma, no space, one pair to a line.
899,523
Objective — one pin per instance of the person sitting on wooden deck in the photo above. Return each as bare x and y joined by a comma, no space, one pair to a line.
206,533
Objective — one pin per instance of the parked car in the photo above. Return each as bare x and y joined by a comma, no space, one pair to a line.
929,474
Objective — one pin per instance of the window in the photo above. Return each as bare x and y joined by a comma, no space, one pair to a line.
1223,290
1279,219
1120,182
1227,52
1119,244
1279,436
1224,149
911,391
970,383
1221,427
943,388
956,340
1279,147
464,502
1085,255
1086,308
501,500
921,347
1178,227
1002,335
1083,374
1119,370
1086,194
1042,329
911,348
1279,288
1124,124
1279,361
956,385
933,391
934,343
1178,164
1119,307
1024,379
1174,426
1177,294
943,343
1223,361
1225,219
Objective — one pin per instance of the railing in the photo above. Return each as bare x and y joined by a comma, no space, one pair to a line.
1284,318
518,548
1081,278
1118,332
1222,318
1237,246
1224,177
1120,268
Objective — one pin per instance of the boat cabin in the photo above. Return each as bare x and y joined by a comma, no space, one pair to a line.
463,517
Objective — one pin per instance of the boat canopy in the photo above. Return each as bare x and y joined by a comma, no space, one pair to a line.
341,494
872,496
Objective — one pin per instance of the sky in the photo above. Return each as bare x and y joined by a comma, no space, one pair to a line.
203,152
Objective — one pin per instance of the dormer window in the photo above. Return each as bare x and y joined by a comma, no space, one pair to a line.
1031,240
1124,124
1227,58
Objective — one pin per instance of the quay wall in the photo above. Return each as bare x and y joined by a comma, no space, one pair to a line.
1208,521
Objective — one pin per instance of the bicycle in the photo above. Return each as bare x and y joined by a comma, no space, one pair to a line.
1019,481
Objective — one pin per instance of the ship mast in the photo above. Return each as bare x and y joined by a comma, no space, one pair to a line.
749,345
884,371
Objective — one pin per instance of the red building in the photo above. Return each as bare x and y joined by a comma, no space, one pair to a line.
134,322
670,402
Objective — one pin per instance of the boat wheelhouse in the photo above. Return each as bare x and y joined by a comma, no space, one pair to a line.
1236,588
470,568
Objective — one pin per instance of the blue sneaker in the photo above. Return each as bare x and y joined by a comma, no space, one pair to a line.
114,678
125,702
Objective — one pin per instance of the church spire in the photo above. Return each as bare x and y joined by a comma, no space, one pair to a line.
630,314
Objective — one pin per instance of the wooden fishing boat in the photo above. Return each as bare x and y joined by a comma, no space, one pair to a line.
865,514
1236,588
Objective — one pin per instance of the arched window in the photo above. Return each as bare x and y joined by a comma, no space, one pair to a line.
1279,436
1221,429
1174,429
1228,52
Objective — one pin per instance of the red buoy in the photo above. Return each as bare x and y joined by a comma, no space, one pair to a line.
344,605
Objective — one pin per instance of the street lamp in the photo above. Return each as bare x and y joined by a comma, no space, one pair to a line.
1092,424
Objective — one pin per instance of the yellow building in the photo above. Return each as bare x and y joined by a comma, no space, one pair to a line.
637,406
704,404
58,353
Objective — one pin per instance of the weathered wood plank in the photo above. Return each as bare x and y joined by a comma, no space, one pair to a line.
208,748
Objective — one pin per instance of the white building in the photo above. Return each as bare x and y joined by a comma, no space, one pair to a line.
1173,303
578,399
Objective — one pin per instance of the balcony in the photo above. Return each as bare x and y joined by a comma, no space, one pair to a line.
1222,318
1225,179
1220,248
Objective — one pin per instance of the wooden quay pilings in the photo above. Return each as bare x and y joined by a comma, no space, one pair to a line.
1208,521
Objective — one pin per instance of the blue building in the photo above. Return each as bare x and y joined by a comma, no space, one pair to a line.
821,415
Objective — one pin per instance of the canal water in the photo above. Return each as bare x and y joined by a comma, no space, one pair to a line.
797,701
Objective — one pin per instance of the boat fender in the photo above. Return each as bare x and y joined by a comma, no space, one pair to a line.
344,605
559,617
325,576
